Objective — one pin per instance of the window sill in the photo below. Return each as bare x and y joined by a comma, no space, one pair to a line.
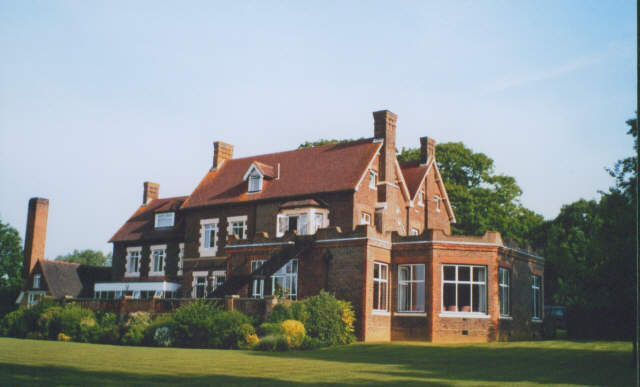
410,314
506,318
463,315
130,274
380,313
536,320
156,273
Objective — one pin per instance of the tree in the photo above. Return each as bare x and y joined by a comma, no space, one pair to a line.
11,256
86,257
322,141
482,200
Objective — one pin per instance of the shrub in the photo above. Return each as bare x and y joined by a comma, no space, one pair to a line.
24,320
312,343
270,329
329,319
279,314
190,323
135,328
162,337
252,340
63,337
72,320
225,329
294,332
273,343
165,337
248,337
108,329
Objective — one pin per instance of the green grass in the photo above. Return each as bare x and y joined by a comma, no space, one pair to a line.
30,362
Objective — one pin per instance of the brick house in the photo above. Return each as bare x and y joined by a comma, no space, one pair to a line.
347,218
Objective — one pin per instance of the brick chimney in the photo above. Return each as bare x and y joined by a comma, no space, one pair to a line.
221,153
36,234
384,127
427,149
150,192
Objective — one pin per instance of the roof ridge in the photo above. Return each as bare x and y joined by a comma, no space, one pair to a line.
360,141
60,261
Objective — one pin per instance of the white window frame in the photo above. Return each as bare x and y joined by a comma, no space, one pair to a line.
421,198
254,182
365,218
311,223
373,179
257,288
504,291
457,282
437,200
196,275
161,217
36,281
130,251
536,298
215,279
33,297
180,266
152,257
414,231
408,283
290,279
205,224
235,220
382,283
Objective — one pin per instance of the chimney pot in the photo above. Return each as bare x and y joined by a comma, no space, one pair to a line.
150,192
36,234
221,153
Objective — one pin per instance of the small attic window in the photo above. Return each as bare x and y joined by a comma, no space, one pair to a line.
255,182
436,199
36,281
164,220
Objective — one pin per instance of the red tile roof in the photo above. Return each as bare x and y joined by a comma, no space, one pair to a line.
307,171
413,174
141,225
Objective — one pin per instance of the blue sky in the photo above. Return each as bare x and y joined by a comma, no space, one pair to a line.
97,97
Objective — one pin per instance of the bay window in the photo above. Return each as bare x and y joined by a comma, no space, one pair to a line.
411,294
304,223
504,284
284,282
464,289
380,286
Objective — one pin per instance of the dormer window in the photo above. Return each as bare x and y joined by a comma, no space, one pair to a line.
255,182
165,219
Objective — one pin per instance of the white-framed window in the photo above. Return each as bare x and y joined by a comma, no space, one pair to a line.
133,262
257,288
180,258
304,222
237,225
36,281
436,201
536,297
156,263
380,286
421,198
284,282
199,284
208,237
217,279
464,289
293,222
318,222
414,231
373,177
504,284
165,219
411,293
365,218
255,182
34,297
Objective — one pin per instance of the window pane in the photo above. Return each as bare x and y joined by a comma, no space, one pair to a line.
418,272
383,296
464,273
383,272
449,273
376,295
293,223
403,273
403,298
376,271
479,298
464,297
449,297
479,274
419,297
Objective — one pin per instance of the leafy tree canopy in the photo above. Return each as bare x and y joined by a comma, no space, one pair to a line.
322,141
86,257
11,256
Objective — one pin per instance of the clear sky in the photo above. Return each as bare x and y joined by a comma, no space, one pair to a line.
97,97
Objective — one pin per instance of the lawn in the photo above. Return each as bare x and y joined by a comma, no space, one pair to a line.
30,362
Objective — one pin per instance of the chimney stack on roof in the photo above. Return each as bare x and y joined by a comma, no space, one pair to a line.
384,127
36,234
221,153
427,149
150,192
